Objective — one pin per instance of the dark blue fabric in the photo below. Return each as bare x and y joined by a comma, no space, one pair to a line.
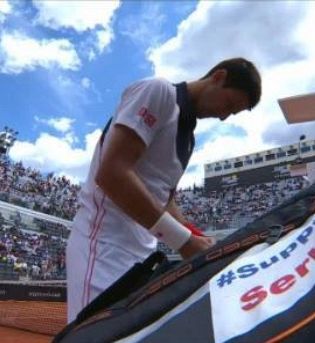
185,139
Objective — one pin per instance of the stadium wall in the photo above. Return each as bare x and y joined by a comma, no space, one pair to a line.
39,308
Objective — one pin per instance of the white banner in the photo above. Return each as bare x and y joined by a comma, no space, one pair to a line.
255,288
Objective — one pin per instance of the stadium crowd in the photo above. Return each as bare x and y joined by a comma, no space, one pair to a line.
30,254
41,254
29,188
235,206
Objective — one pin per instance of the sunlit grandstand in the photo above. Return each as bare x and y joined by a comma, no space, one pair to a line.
262,167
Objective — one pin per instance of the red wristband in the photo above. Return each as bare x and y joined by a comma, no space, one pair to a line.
194,230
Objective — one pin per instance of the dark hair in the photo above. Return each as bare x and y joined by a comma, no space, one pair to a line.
243,75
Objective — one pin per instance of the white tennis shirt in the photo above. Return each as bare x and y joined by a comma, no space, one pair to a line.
161,114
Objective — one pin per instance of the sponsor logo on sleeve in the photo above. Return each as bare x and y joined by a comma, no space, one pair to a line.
258,287
148,118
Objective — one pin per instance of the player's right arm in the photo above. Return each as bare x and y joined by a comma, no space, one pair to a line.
117,178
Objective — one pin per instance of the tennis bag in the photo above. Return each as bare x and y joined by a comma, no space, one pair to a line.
256,285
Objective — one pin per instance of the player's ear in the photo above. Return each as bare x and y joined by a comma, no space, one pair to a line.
219,77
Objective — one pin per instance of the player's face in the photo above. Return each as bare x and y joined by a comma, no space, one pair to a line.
223,102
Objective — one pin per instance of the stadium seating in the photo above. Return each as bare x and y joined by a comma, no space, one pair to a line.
40,243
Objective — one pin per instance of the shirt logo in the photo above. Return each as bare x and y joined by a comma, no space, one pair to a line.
149,118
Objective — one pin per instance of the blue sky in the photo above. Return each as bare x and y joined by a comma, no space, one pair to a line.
64,64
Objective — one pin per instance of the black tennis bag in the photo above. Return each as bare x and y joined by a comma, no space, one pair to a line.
256,285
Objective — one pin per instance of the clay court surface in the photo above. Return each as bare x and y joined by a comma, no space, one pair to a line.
30,321
11,335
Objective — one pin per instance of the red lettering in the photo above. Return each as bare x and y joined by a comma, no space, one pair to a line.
256,295
148,117
253,297
282,284
301,269
142,112
150,120
311,253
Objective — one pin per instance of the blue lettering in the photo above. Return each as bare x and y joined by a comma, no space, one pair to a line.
303,237
265,265
286,253
247,270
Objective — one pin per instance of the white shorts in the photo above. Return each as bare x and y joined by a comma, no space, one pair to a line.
92,266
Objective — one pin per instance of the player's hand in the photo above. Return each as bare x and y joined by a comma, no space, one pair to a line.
196,244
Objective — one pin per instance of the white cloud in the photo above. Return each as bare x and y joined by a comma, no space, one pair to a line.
73,179
86,82
5,9
20,53
182,46
223,147
104,37
93,15
72,95
71,138
78,15
5,6
219,30
61,124
91,55
276,37
49,153
147,27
